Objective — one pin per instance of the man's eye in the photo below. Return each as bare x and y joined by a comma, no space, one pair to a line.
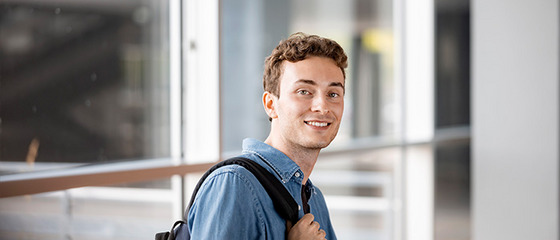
303,92
333,95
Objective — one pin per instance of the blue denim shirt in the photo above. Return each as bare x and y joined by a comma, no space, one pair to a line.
232,204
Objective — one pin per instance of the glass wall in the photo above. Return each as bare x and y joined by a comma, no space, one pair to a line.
452,213
89,82
82,82
111,212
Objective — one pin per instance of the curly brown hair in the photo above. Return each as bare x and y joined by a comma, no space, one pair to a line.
298,47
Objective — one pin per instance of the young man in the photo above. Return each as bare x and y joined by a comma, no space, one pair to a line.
304,83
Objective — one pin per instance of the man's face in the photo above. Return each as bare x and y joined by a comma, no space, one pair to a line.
309,109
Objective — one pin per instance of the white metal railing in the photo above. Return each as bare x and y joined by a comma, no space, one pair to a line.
94,175
143,170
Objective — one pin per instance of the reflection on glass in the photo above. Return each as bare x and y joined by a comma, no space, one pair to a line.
89,213
82,82
359,188
452,199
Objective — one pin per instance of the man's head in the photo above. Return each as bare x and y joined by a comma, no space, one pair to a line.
304,91
297,47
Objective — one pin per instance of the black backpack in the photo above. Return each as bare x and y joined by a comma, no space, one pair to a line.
283,201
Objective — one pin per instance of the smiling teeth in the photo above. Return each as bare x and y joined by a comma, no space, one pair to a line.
318,124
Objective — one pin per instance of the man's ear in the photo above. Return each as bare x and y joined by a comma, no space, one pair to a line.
269,103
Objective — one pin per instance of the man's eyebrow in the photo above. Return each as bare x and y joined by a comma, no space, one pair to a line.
337,84
311,82
306,81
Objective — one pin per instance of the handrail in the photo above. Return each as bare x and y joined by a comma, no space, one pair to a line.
40,182
135,171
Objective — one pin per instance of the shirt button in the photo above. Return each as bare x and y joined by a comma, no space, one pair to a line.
297,174
298,207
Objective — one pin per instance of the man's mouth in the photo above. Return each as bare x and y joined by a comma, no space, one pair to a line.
317,124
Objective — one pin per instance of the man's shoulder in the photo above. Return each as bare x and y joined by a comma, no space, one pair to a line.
223,175
232,170
237,168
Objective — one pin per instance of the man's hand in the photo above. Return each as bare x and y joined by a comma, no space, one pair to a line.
306,229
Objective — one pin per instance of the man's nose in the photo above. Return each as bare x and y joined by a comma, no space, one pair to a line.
320,105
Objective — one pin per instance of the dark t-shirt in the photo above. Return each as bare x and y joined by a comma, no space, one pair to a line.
305,195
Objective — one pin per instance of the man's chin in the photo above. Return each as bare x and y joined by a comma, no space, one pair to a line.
318,144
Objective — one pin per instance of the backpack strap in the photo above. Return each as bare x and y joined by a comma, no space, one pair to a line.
283,201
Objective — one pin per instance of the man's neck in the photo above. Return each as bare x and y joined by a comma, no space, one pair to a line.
305,158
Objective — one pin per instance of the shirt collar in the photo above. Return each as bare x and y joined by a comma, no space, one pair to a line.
277,160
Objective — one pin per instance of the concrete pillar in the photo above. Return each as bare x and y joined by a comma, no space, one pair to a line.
515,119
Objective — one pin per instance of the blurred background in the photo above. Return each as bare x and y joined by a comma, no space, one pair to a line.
110,110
